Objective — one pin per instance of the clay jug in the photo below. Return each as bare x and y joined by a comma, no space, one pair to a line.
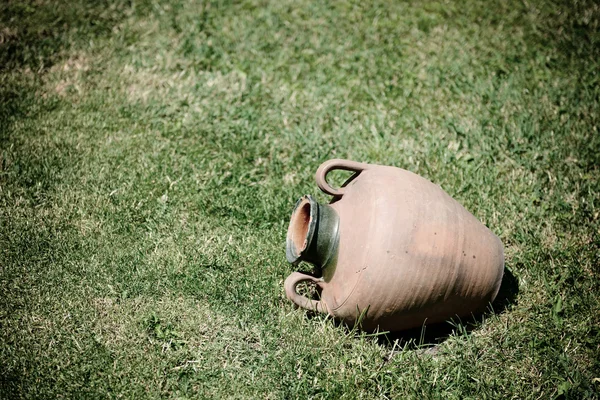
392,249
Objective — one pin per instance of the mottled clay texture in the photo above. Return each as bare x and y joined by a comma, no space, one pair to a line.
407,253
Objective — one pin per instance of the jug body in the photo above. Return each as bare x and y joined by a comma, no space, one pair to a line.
402,252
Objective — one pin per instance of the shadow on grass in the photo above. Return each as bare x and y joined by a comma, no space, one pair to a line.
36,35
429,336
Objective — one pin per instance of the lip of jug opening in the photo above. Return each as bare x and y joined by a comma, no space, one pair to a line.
301,229
313,234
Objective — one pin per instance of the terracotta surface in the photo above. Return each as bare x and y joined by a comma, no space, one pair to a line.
394,247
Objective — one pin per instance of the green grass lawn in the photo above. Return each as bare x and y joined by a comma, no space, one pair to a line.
151,153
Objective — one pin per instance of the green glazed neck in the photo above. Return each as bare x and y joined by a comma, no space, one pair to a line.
313,235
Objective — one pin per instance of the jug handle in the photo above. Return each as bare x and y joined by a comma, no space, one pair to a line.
330,165
290,284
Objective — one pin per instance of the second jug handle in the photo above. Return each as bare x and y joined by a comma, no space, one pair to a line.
301,301
330,165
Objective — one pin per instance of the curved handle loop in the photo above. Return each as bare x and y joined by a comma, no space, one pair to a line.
294,280
330,165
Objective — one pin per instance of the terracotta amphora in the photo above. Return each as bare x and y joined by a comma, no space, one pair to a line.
392,250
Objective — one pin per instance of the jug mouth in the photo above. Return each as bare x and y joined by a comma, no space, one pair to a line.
313,236
301,229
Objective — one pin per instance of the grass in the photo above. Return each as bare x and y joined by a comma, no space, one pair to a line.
151,153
